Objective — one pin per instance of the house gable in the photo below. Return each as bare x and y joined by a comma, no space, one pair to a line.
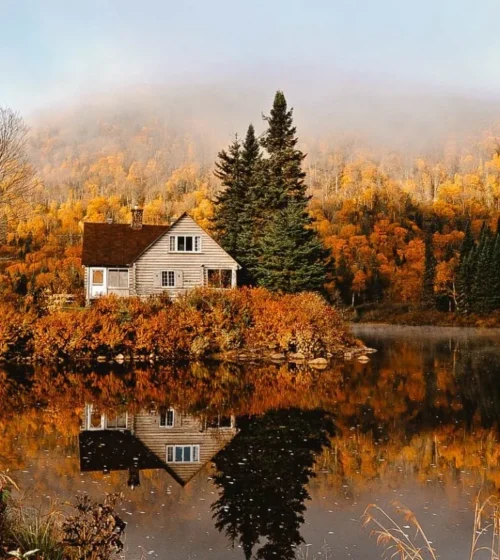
187,431
187,268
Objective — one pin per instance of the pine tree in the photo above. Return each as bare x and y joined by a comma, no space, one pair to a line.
495,273
230,204
428,297
468,241
284,174
251,219
261,217
292,258
482,279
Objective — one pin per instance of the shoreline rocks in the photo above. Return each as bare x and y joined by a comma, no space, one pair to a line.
242,355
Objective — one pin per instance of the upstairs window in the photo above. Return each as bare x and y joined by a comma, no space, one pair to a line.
185,243
220,422
183,453
118,278
167,418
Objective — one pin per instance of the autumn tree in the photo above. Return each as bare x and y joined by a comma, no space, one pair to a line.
428,296
17,176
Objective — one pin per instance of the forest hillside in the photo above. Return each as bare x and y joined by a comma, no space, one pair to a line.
392,212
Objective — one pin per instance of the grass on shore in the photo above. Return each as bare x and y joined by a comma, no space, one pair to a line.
396,314
398,543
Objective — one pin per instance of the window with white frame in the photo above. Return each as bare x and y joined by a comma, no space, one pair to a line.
98,420
117,422
167,418
95,418
97,277
219,278
118,278
185,243
183,453
168,279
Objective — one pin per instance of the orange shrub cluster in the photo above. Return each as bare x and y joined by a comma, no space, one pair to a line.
200,323
15,329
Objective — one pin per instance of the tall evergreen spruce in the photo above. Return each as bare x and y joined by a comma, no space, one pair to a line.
284,174
495,271
468,242
483,277
230,204
428,297
292,258
261,217
251,219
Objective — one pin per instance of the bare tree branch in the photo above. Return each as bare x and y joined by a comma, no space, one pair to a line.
17,176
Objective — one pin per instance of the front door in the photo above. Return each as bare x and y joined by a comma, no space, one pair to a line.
98,282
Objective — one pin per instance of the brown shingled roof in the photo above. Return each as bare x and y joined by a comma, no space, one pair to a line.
116,244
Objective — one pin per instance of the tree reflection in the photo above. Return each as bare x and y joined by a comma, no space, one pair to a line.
262,475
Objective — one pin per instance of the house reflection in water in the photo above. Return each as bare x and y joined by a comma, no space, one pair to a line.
158,439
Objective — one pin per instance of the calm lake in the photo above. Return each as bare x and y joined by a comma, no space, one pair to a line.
227,462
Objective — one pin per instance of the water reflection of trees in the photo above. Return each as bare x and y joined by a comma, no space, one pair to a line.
430,412
263,474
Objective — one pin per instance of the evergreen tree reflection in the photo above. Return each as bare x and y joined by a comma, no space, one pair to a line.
262,475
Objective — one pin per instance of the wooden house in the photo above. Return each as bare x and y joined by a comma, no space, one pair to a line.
143,260
166,439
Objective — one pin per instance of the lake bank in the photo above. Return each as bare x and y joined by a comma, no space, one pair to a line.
244,324
403,315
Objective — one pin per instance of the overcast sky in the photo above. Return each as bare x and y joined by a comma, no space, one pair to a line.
59,50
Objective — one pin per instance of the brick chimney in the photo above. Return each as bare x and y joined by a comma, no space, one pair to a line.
136,217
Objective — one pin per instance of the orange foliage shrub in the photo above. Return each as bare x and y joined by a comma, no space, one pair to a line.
15,330
304,321
200,323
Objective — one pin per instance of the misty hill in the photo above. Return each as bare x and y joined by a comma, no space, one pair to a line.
159,129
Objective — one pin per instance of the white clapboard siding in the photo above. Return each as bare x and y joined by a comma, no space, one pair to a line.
187,430
86,282
189,267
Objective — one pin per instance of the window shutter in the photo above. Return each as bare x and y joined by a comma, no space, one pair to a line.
172,243
157,279
179,279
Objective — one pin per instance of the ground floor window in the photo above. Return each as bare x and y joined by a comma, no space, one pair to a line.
219,278
95,418
98,420
168,279
167,418
183,453
97,277
118,278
